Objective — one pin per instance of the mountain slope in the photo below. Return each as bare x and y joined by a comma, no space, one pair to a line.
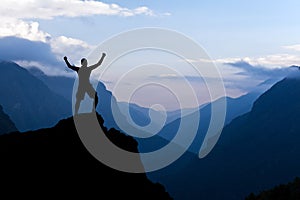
6,125
61,85
54,161
27,100
290,191
235,108
255,151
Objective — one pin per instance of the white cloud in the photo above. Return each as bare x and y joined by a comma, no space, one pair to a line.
243,78
47,69
143,10
168,76
19,28
167,14
16,16
60,46
269,61
17,19
48,9
73,48
295,47
276,60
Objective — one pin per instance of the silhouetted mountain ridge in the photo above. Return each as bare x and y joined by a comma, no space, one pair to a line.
290,191
54,162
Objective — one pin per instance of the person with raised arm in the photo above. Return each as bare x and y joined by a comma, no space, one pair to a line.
84,85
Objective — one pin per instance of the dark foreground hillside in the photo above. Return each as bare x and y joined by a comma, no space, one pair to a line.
54,162
290,191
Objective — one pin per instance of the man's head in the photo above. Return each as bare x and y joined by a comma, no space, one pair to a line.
84,62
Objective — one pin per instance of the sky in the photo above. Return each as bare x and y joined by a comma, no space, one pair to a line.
249,41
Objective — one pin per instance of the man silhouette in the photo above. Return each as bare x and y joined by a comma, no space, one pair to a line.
84,85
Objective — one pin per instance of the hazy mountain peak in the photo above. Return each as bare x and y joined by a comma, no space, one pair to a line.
27,100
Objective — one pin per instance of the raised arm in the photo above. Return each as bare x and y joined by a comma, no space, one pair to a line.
70,66
98,63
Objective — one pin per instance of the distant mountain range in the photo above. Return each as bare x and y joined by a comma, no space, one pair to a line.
28,101
235,107
55,163
6,125
256,151
63,86
140,115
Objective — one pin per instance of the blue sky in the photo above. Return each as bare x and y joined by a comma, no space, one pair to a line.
263,34
225,29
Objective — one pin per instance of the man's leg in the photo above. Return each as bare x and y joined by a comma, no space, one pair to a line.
95,102
79,98
77,104
93,94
